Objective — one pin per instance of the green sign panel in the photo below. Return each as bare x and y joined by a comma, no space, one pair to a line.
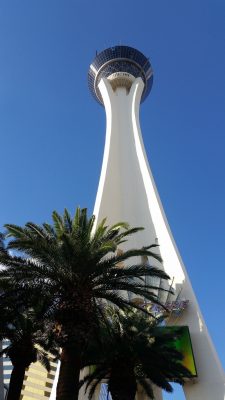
184,346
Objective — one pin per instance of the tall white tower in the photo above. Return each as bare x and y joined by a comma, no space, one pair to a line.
120,78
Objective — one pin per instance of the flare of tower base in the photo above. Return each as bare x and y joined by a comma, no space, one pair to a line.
120,78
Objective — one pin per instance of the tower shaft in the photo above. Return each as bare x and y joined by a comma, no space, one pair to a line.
127,192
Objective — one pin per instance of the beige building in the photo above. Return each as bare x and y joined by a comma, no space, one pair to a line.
37,381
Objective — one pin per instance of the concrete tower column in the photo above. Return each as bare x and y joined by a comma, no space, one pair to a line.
127,192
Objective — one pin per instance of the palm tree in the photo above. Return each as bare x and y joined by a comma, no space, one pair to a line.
25,326
133,350
28,339
78,269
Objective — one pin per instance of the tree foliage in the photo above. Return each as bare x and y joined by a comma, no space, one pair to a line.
77,269
133,349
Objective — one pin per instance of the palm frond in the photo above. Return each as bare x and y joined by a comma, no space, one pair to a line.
43,358
58,223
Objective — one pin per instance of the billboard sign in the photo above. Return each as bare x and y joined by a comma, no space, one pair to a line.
184,346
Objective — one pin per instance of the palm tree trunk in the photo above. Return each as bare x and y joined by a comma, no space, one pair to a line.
16,381
69,374
121,391
122,384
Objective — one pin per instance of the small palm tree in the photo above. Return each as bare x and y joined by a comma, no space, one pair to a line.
27,336
78,269
133,350
25,329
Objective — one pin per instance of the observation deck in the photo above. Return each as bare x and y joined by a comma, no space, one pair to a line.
120,65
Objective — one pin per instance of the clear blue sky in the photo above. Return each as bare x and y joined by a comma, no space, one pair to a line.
52,131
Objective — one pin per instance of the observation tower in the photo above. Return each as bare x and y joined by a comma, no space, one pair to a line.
120,78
